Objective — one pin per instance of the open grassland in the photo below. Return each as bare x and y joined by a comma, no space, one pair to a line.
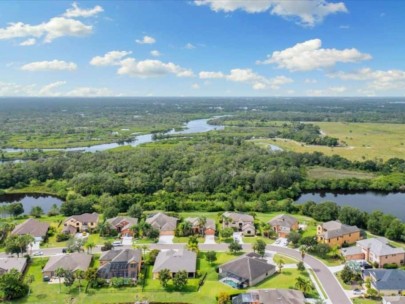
363,141
330,173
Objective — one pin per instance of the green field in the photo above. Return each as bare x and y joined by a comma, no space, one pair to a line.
330,173
362,141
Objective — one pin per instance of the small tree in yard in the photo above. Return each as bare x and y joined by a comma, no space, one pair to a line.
211,256
235,247
300,266
224,298
280,264
12,286
69,278
260,247
30,279
180,279
294,237
164,277
346,275
91,277
36,211
226,233
80,275
59,273
303,284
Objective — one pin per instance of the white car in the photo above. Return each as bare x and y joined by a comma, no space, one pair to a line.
38,253
117,243
357,292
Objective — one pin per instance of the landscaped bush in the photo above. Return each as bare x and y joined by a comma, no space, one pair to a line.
390,266
121,282
61,237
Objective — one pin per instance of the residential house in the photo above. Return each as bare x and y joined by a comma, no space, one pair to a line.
268,296
375,250
72,261
175,261
393,300
208,229
7,264
335,233
123,224
239,221
80,223
124,263
33,227
386,281
162,222
246,270
282,224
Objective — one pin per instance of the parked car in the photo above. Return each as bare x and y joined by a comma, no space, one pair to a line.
46,279
64,250
357,292
38,253
117,243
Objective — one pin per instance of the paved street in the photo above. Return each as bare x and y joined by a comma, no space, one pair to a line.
335,292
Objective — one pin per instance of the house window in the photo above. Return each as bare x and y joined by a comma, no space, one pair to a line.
248,232
350,234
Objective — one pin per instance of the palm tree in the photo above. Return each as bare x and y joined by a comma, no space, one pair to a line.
202,221
303,285
79,274
303,251
280,264
30,279
89,246
90,276
59,273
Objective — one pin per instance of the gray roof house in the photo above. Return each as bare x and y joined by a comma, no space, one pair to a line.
80,222
32,227
123,224
164,223
386,281
336,228
124,263
239,221
270,296
393,300
72,261
246,270
282,224
7,264
175,261
209,227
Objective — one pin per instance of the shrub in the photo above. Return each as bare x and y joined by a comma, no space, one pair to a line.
61,237
390,266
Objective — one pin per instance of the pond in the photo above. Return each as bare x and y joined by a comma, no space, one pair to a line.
389,203
30,200
193,126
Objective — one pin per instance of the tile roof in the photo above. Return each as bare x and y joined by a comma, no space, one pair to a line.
249,266
85,217
379,246
32,227
273,296
176,261
72,261
351,251
13,263
236,216
125,222
387,279
210,224
336,228
283,220
162,222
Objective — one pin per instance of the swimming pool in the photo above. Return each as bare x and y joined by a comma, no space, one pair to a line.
230,282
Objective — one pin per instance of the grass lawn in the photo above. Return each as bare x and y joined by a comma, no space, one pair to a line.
365,301
185,240
286,259
368,140
253,239
329,173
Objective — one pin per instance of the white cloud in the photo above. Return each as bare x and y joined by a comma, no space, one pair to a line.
90,92
155,53
76,11
54,65
54,28
110,58
195,86
13,89
190,46
151,68
257,81
309,55
28,42
48,90
310,80
146,40
307,12
377,79
332,91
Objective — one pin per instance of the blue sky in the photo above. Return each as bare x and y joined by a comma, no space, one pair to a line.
202,48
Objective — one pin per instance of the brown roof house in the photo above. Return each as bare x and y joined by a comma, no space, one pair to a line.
80,223
124,263
32,227
164,223
335,233
375,250
175,261
7,264
208,229
270,296
239,221
72,261
282,224
247,270
123,224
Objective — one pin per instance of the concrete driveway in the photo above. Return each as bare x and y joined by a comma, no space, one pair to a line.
127,240
237,236
209,239
166,239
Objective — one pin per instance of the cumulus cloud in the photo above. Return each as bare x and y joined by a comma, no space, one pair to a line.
310,55
155,53
48,90
332,91
75,11
151,68
258,82
53,65
377,79
306,12
89,92
54,28
110,58
140,68
28,42
14,89
146,40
